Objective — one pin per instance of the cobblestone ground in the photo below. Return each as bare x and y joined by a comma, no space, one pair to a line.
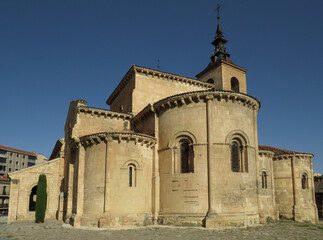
57,230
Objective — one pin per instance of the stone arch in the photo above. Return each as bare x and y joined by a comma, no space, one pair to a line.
264,179
238,142
304,180
131,166
183,134
132,175
210,80
32,199
35,185
182,145
237,133
235,84
129,162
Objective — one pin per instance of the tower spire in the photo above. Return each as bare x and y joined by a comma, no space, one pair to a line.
220,51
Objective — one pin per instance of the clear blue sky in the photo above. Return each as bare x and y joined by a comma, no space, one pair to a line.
56,51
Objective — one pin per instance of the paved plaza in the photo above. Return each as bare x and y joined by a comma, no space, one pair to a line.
52,229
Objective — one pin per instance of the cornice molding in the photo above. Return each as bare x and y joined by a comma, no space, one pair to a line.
103,112
154,73
137,138
306,156
197,96
213,95
264,153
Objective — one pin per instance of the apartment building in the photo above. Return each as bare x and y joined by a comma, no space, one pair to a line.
12,159
4,194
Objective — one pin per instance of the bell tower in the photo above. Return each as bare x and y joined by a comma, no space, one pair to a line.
221,71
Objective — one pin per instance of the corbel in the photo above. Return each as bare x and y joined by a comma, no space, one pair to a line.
209,97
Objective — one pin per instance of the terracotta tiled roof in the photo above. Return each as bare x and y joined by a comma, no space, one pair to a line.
17,150
278,151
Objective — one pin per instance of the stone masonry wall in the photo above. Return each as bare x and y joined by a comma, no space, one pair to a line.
22,183
266,193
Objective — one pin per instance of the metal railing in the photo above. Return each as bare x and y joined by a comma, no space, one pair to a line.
4,205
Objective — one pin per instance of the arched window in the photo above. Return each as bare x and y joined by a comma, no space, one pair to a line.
132,175
211,81
32,199
239,157
304,181
186,156
264,180
234,84
235,155
182,145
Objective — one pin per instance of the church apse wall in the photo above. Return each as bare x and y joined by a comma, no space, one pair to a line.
294,186
265,177
115,183
188,118
233,159
183,191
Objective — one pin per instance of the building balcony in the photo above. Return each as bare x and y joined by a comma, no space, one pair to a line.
4,205
3,164
3,155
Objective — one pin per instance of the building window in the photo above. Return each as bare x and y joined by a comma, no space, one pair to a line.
4,190
304,181
186,156
182,146
132,175
264,180
17,162
234,84
23,164
30,164
211,81
235,155
10,161
32,199
239,156
9,169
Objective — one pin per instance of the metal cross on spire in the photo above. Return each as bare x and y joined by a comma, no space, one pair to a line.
218,9
220,51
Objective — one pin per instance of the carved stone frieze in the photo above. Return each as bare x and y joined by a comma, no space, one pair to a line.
137,138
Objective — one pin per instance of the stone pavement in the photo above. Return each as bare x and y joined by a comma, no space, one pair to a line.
53,229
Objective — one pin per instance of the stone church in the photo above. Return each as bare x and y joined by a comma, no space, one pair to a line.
171,150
